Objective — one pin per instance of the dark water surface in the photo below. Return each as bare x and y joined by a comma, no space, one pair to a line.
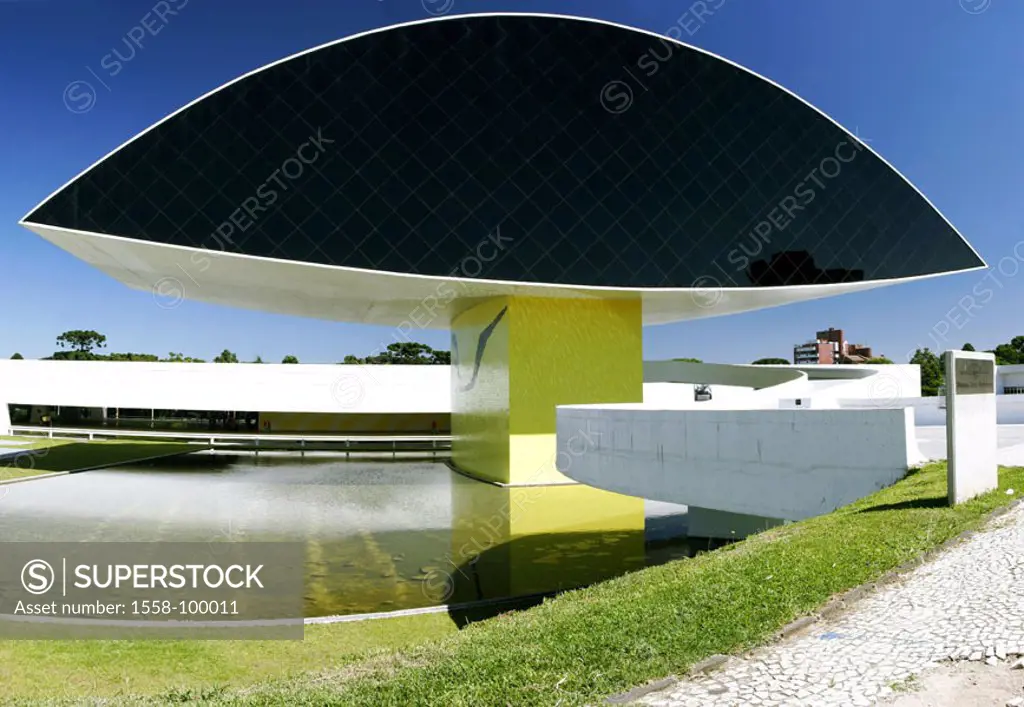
379,536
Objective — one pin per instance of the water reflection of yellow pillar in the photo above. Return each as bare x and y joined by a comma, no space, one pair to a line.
514,359
527,540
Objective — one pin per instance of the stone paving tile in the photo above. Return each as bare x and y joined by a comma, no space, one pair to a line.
967,604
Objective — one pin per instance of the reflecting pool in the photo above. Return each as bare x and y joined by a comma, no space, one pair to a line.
379,536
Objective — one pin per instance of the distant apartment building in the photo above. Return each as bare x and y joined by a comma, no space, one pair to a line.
813,352
830,347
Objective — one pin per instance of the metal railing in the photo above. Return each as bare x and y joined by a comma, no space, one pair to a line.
256,443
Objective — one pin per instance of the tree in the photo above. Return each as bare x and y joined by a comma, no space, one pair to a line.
967,347
82,340
289,359
74,356
404,354
878,359
130,357
226,356
689,360
17,357
174,357
1017,343
1006,355
258,359
932,376
771,362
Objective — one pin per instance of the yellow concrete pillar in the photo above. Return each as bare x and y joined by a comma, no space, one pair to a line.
516,358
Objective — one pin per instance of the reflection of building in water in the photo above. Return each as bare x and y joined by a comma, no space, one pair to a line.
529,540
796,267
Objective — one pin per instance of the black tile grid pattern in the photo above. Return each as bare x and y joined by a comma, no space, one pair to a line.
444,132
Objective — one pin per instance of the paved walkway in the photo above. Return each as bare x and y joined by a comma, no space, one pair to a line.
966,605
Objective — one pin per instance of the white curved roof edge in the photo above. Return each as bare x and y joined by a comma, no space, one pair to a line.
750,375
741,375
341,293
445,18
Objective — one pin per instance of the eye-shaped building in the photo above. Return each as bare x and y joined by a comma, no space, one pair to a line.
542,185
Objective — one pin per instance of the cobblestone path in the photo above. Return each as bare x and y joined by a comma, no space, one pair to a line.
967,604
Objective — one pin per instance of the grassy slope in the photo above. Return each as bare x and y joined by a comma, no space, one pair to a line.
587,644
32,670
63,455
23,465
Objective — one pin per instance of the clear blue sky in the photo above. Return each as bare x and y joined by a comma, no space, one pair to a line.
934,88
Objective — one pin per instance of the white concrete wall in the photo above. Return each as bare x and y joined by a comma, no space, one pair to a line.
369,389
301,388
680,396
884,385
788,464
223,386
747,387
1009,376
888,382
927,411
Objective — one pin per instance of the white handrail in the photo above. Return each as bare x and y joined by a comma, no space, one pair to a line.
223,437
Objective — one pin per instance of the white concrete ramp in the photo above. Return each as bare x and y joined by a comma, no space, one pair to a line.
787,464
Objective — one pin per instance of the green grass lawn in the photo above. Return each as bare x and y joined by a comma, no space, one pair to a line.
591,643
572,650
31,442
23,466
54,455
71,670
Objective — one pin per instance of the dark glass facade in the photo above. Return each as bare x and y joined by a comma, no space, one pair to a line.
603,156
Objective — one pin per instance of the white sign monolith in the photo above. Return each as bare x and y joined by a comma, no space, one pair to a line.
970,424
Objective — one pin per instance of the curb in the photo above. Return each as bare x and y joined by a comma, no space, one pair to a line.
703,667
798,625
440,609
638,692
709,664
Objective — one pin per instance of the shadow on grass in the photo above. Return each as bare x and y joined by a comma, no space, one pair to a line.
517,573
522,572
933,502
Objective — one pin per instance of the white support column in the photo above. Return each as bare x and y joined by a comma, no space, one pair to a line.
970,424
